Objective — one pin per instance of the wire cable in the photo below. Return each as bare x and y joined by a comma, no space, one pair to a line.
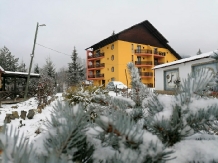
52,49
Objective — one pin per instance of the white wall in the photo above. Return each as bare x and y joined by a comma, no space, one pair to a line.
184,69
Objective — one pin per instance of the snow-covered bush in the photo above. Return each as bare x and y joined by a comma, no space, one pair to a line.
90,126
45,88
85,95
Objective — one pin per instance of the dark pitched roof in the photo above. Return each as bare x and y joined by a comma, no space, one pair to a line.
149,27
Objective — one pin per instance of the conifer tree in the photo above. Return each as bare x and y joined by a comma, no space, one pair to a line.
22,67
7,61
36,69
49,68
214,86
75,69
199,52
123,130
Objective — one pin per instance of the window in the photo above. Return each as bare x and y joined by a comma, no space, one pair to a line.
97,53
112,57
138,48
112,46
155,61
112,69
155,50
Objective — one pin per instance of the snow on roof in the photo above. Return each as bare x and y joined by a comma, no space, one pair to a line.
117,82
1,69
196,57
21,73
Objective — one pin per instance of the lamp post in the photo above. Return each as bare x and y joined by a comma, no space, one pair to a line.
31,61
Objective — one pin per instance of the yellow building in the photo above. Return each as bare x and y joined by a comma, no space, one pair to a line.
141,44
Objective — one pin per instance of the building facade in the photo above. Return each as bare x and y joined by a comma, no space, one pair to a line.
141,44
167,74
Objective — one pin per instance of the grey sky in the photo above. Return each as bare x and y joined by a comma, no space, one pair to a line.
187,24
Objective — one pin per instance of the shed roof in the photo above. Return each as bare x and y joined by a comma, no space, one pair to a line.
1,69
196,57
19,74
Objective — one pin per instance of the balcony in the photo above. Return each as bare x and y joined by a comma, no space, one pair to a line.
143,52
158,63
146,74
159,54
96,66
143,63
96,76
147,52
96,56
150,85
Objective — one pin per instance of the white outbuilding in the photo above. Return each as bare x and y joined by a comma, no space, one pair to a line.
167,74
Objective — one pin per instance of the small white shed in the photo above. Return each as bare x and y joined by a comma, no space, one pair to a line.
166,74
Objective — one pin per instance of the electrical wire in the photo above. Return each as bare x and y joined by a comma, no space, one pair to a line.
53,49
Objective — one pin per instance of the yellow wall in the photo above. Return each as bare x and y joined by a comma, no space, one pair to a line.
123,52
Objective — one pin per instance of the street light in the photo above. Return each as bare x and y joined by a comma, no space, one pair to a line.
31,61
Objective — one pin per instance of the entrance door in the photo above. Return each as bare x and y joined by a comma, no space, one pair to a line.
103,82
139,60
138,48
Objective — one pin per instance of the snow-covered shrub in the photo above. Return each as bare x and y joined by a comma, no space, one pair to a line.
85,95
67,137
139,91
45,88
181,118
146,128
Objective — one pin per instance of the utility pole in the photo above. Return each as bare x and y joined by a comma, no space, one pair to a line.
31,61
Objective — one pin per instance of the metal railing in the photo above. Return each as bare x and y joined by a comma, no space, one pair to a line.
143,51
146,73
143,62
97,55
148,51
150,85
158,63
96,76
96,65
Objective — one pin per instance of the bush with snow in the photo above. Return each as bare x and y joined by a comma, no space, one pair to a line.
90,126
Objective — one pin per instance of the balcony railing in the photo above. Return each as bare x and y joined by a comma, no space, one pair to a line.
143,63
158,63
146,73
147,51
150,85
97,55
96,65
96,76
143,51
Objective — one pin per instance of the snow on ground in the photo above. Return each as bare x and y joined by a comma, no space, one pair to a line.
31,125
200,146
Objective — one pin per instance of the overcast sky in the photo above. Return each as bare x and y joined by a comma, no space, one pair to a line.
187,24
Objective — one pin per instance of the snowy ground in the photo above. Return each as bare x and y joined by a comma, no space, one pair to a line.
185,151
31,125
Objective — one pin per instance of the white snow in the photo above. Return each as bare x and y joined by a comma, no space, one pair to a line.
21,73
204,55
199,147
2,69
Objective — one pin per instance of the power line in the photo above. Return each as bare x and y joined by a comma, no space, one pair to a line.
52,49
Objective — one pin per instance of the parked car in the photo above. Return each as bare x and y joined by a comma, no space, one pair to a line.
115,86
87,82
